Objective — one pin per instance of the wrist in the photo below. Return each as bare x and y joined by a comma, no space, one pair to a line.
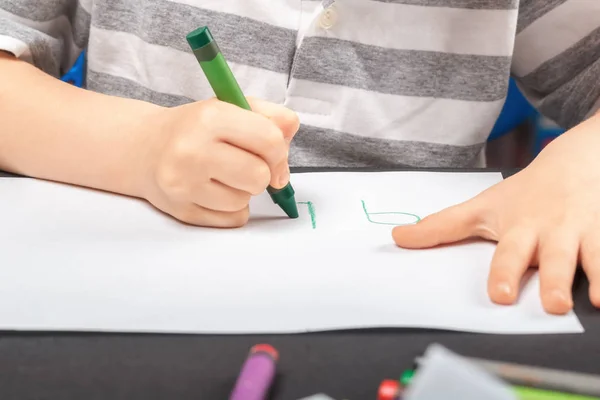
139,138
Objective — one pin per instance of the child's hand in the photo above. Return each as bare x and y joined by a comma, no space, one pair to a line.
207,159
548,215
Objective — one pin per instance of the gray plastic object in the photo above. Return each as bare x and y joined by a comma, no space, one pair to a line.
319,396
449,376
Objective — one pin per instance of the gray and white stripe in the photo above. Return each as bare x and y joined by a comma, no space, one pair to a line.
394,82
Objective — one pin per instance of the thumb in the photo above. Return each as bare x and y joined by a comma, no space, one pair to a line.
453,224
285,119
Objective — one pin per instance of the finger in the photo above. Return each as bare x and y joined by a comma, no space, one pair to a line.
288,122
219,197
286,119
590,260
194,214
252,132
240,169
513,256
281,175
558,251
453,224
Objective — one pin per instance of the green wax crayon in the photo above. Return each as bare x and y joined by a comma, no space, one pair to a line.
227,89
522,392
526,393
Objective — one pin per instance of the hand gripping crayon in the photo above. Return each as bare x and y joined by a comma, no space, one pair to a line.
227,89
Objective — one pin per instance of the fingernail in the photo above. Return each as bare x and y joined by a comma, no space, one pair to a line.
284,178
561,297
504,289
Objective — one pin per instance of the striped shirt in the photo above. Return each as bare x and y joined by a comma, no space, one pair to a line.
379,83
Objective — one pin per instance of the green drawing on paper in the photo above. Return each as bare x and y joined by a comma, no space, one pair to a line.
311,212
389,213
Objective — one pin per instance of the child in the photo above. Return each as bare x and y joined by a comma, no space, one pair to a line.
379,83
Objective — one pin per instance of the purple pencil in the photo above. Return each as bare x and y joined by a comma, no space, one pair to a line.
257,374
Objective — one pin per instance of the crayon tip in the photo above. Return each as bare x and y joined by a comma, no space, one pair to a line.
290,207
285,199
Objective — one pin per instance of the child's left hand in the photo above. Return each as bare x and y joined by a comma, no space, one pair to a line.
548,215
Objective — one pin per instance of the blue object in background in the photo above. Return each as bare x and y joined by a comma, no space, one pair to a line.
515,112
76,74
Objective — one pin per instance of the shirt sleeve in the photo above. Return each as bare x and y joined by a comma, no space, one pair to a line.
556,60
49,34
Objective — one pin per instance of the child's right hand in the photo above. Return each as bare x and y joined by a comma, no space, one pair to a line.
199,162
206,159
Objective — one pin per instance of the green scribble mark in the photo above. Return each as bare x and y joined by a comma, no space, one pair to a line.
311,212
368,215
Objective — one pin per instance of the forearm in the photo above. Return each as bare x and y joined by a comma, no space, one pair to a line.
52,130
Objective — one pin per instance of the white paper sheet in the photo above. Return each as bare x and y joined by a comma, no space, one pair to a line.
77,259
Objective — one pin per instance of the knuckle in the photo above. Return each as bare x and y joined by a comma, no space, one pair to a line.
183,152
209,112
171,182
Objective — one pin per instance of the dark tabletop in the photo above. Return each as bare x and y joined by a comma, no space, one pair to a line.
345,365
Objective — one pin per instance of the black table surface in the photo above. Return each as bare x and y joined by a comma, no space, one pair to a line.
345,365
